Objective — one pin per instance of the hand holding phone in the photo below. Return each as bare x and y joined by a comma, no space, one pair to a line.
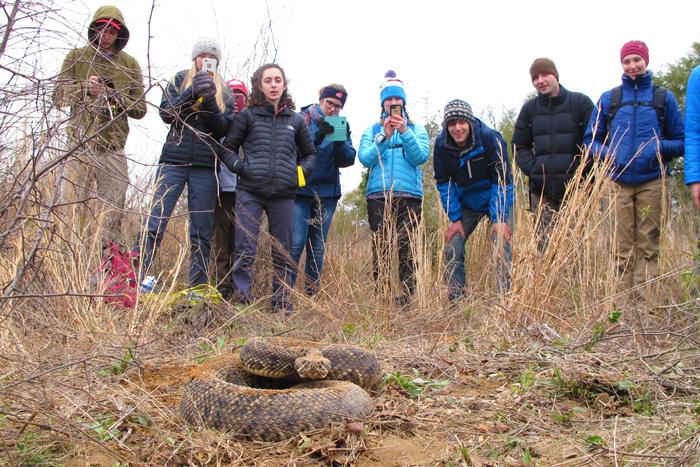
397,120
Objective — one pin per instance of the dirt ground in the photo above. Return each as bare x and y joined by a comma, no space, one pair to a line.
447,399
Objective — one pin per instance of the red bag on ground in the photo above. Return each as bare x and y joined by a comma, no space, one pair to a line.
119,276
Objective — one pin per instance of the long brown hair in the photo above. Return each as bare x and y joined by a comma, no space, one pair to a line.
258,99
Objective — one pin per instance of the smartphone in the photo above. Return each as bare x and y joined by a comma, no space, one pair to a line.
209,65
340,128
396,110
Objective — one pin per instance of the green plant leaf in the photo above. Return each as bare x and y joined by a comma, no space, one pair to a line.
615,316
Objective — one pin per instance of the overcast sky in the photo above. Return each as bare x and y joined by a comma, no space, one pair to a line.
477,51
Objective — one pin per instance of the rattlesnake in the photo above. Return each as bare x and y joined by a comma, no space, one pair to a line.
259,393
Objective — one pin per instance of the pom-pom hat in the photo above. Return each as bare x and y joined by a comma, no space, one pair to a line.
391,87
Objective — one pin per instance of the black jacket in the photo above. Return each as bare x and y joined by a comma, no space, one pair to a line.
548,138
194,134
273,144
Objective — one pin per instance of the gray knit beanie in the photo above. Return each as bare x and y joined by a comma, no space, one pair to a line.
457,109
206,45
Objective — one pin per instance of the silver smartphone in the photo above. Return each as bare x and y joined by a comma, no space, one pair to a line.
209,65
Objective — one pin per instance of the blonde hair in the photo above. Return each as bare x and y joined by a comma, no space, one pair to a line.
218,84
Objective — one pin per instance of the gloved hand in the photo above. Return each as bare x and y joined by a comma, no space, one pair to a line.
324,128
203,85
233,162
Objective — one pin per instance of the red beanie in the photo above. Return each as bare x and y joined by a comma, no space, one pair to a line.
635,47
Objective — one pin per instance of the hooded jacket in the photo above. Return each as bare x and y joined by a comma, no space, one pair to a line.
635,139
692,128
194,135
119,71
324,182
476,177
548,140
394,164
273,144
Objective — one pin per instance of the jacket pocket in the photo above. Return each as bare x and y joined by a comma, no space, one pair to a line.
472,170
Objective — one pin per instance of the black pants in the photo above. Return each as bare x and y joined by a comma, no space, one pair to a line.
222,248
392,223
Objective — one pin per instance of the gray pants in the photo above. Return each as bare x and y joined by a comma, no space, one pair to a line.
547,211
280,217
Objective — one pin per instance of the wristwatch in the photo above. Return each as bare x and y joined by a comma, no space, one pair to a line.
379,139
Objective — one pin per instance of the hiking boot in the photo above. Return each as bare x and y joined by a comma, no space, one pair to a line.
226,292
403,301
284,308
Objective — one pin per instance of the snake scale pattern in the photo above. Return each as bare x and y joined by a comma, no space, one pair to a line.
273,389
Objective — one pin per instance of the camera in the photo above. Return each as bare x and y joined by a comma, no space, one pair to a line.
107,82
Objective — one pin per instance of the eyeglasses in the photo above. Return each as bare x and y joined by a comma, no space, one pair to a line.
330,103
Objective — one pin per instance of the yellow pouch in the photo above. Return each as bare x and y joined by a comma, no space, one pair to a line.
300,174
198,293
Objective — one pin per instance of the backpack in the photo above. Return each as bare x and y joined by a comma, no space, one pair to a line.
658,103
117,277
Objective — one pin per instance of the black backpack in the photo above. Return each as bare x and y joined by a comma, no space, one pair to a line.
658,103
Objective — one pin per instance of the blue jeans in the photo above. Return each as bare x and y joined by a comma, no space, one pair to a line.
280,219
456,248
312,220
201,198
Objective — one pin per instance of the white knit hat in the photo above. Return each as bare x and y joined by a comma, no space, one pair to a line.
206,45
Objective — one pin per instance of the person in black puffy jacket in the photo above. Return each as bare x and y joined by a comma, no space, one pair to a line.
548,143
198,106
278,157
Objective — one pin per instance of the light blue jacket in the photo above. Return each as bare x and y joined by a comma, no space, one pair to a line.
394,165
692,128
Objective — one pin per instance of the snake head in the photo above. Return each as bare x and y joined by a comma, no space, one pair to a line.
312,365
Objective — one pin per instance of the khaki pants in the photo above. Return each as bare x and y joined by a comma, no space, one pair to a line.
637,229
97,179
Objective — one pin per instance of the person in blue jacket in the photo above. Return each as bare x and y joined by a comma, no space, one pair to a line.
198,107
315,203
639,130
473,177
692,135
393,150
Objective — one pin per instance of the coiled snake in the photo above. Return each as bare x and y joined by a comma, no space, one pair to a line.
264,392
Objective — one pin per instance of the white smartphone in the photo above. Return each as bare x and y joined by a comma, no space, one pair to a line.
209,65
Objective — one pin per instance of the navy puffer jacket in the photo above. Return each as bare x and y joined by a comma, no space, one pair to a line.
635,138
330,156
194,134
548,140
273,144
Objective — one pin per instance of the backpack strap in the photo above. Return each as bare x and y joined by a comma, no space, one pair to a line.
615,104
658,103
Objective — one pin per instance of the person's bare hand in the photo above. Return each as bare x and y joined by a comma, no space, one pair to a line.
501,229
95,87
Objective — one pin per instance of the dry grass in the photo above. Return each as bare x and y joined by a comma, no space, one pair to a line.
542,375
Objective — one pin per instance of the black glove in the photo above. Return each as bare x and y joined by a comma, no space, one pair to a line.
203,85
324,128
233,162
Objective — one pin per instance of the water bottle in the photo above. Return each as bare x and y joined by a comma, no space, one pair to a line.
147,284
